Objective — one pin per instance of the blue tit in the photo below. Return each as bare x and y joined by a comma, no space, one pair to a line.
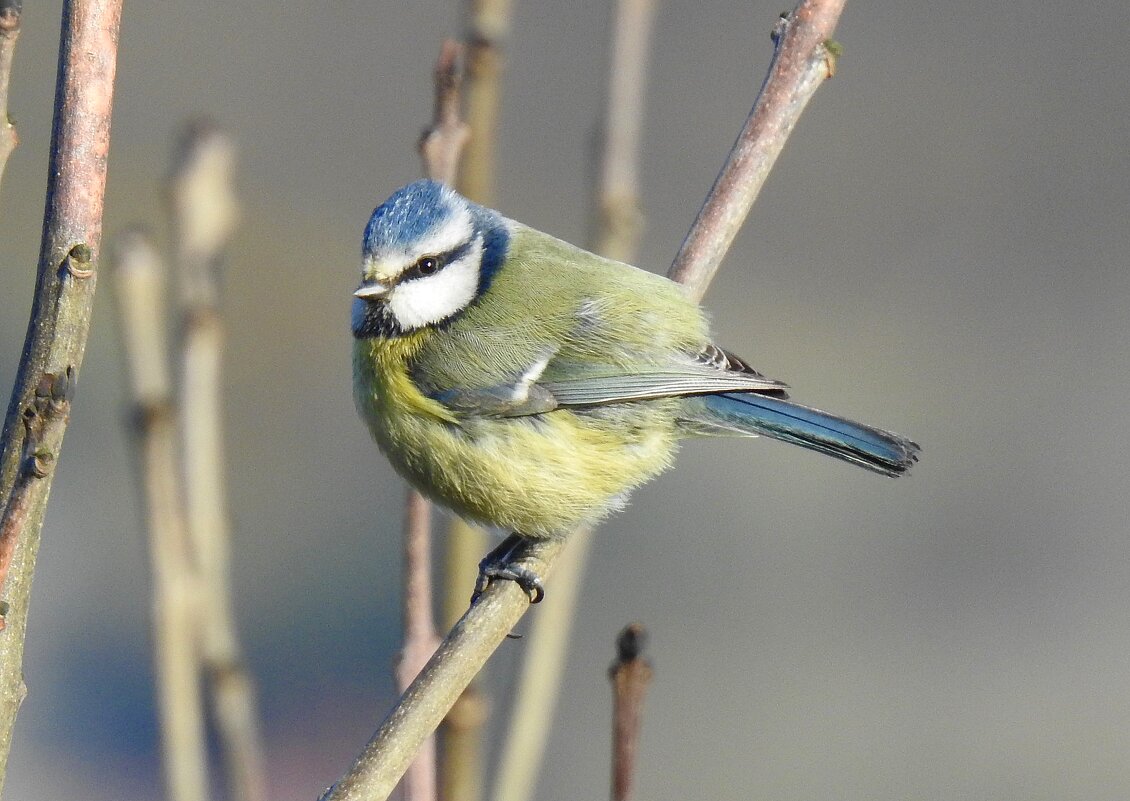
527,384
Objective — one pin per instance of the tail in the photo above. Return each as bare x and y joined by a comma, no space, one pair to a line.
749,413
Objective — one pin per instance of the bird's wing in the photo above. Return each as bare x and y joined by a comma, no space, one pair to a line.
708,372
553,381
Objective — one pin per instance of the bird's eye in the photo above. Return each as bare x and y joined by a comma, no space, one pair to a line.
427,265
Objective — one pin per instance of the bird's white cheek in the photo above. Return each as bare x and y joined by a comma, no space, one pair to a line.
426,301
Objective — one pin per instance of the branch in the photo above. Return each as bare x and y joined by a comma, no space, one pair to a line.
801,62
9,33
488,28
479,632
441,146
138,280
631,676
420,637
459,658
618,230
204,214
64,293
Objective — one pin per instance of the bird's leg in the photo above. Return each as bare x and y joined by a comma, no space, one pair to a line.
503,563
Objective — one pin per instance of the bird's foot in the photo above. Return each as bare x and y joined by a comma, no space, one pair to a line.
504,564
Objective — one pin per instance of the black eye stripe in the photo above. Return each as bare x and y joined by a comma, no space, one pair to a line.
421,270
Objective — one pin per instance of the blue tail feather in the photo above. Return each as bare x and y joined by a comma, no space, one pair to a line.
751,413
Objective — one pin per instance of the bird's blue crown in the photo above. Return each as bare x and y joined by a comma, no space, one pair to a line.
409,214
421,208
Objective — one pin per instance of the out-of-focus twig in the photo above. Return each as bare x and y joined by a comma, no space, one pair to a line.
139,283
801,63
488,29
534,700
618,192
461,769
204,214
631,676
420,637
441,146
9,33
618,228
64,294
479,632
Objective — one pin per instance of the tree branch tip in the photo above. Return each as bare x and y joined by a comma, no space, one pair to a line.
631,642
450,54
194,136
10,11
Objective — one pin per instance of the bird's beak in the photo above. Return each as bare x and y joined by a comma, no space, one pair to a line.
372,291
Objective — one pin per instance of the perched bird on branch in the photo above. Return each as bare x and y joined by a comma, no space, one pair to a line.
528,384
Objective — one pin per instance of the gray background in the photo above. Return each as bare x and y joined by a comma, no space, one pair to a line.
941,250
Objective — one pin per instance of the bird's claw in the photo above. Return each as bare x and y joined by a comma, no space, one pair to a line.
527,579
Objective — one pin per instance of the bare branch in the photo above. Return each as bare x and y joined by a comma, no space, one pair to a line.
204,214
618,229
458,660
441,146
461,770
138,278
631,676
420,637
9,32
471,642
60,316
488,29
801,63
618,192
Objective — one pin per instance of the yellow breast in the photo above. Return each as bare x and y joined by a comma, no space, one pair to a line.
541,476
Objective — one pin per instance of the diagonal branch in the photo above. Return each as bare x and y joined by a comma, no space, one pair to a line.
618,227
64,293
801,61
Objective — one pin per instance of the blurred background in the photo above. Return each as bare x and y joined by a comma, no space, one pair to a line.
941,250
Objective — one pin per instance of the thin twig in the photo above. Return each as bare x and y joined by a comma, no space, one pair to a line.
441,146
618,229
138,280
488,29
479,632
801,63
9,33
420,637
204,214
60,316
631,676
461,769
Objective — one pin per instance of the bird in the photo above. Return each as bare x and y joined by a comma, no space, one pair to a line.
529,385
